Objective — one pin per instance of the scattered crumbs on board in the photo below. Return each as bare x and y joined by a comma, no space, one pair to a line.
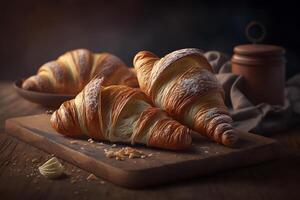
124,152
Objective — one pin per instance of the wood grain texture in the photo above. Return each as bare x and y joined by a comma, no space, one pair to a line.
278,179
12,105
203,158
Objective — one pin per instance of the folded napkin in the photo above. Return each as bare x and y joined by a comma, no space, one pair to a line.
262,118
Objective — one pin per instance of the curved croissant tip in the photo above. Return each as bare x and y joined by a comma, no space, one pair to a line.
141,55
53,120
63,124
177,137
58,124
28,84
230,138
53,117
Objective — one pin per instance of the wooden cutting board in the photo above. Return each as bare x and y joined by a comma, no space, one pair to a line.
163,166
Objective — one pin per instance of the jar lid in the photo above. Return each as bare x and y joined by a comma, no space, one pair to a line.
259,50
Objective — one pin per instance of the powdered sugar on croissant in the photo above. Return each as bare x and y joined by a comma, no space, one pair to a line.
119,114
182,83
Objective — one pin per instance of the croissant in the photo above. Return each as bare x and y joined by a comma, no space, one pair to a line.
119,113
74,69
183,84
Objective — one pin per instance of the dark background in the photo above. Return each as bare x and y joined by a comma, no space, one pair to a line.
35,32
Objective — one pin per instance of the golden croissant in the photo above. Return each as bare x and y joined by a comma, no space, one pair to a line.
183,84
119,114
74,69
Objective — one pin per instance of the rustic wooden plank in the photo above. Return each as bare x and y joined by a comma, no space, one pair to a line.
205,157
278,179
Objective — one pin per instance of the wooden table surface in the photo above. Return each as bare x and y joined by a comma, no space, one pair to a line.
19,178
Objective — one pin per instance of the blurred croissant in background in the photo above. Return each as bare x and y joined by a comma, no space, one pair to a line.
183,84
74,69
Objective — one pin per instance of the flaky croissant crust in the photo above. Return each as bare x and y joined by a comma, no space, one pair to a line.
183,84
119,114
74,69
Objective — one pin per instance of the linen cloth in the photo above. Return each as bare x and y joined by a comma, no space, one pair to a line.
262,118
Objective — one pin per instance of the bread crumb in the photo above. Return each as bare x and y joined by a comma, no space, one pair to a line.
131,156
109,154
91,177
90,140
124,152
119,158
